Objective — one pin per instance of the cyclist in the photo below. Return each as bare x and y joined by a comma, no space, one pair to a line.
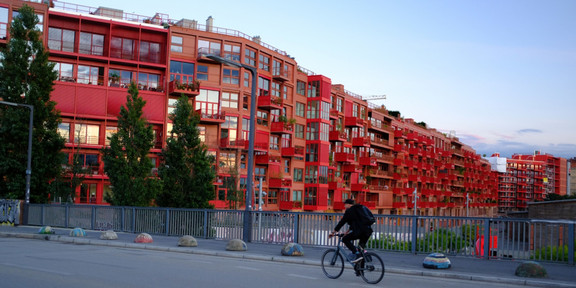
359,230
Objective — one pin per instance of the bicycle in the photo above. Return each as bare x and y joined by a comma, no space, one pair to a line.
370,268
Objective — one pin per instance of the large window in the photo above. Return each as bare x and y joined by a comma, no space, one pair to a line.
229,128
182,72
300,109
232,52
207,47
61,39
119,78
202,73
276,88
65,72
208,101
227,160
298,175
230,100
299,131
64,131
264,62
250,57
149,81
231,76
110,130
122,48
176,44
92,44
86,134
3,23
314,89
262,118
90,75
263,86
301,88
150,52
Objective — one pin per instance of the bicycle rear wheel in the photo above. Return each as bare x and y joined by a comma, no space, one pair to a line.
332,264
372,268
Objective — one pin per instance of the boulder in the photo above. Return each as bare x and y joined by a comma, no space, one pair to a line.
236,245
46,230
292,249
143,238
187,241
436,261
109,235
531,269
78,232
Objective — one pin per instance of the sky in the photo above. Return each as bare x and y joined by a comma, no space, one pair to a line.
501,75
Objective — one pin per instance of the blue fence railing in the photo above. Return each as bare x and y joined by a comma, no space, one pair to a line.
488,238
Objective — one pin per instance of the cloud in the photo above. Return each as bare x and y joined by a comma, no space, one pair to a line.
526,131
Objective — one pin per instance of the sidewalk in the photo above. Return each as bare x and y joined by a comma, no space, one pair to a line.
493,271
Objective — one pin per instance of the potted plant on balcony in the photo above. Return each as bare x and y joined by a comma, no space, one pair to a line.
114,80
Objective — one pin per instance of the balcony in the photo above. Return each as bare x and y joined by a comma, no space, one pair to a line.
334,113
344,157
351,168
368,161
269,102
177,88
361,142
206,117
265,159
336,185
290,205
281,128
232,144
400,148
399,134
359,187
280,74
279,183
297,151
377,173
338,136
353,122
258,146
380,142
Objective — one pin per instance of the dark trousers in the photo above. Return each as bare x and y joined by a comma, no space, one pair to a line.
362,236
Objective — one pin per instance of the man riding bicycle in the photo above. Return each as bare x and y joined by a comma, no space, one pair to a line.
359,230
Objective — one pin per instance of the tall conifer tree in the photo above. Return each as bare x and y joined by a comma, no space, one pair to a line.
26,77
187,168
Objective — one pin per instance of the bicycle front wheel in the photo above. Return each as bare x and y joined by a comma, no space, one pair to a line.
332,263
371,268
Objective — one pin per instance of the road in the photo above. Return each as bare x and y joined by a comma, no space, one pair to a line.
33,263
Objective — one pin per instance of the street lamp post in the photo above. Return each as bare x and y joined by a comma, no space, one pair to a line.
415,201
29,163
247,237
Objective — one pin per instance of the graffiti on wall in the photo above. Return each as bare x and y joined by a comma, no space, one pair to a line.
9,212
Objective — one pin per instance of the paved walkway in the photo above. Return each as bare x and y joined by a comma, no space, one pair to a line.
473,269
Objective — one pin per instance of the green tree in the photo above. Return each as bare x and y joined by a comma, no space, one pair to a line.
186,169
126,161
26,77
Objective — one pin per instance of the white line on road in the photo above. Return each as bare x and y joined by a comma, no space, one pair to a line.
248,268
303,277
37,269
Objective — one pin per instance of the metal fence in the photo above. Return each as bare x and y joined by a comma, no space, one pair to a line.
488,238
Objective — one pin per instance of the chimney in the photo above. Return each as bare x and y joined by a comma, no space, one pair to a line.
256,39
209,24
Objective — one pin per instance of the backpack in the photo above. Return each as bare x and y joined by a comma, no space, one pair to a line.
365,215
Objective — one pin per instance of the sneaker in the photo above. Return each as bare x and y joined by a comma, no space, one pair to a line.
353,258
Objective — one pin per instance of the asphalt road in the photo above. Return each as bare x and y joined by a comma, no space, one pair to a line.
31,263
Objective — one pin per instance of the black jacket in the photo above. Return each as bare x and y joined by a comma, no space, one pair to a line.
352,217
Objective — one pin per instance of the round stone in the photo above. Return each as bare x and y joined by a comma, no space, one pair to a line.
78,232
109,235
292,249
46,230
436,261
531,269
143,238
236,245
187,241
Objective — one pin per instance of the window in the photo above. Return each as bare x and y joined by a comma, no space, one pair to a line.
176,44
122,48
229,128
311,152
40,25
245,128
3,23
301,88
310,196
277,68
264,62
92,44
313,111
90,75
232,52
61,39
207,47
202,134
276,89
313,131
182,72
150,52
297,195
119,78
148,81
263,86
86,134
229,100
202,73
299,131
298,174
314,89
65,72
262,118
208,103
231,76
286,166
274,143
171,107
64,131
250,57
227,160
300,109
247,79
110,130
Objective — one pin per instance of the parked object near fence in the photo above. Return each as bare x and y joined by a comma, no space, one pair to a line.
436,261
46,230
78,232
143,238
531,269
236,245
187,241
292,249
109,235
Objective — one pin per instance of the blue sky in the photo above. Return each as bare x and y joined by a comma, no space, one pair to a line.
501,74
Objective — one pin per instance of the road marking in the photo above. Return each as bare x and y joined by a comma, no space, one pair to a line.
37,269
248,268
303,277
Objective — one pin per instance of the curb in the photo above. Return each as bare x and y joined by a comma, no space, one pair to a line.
282,259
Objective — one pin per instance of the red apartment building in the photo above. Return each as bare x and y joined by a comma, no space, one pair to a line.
316,143
529,178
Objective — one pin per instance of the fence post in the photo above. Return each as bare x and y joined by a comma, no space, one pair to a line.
486,239
205,232
93,219
133,220
296,224
41,214
414,233
67,216
167,221
122,218
571,240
